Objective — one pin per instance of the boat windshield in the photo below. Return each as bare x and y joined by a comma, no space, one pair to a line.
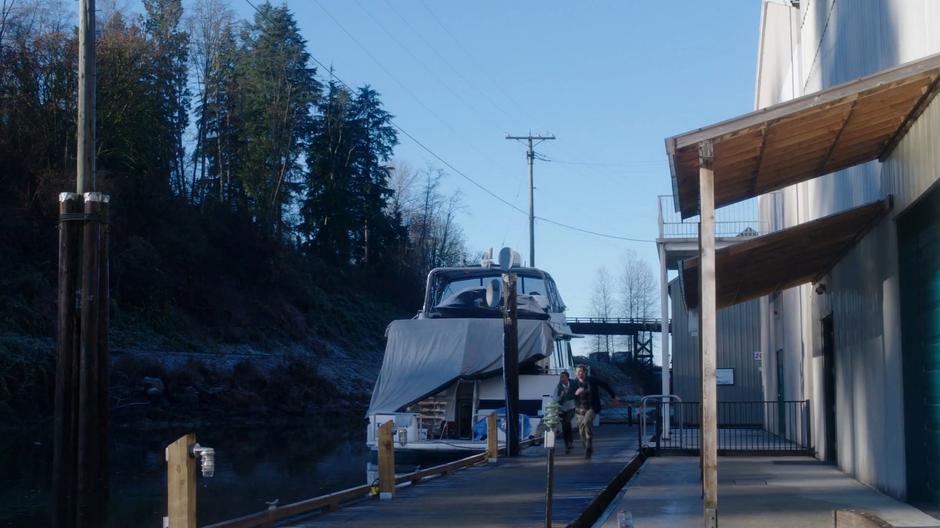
448,283
524,286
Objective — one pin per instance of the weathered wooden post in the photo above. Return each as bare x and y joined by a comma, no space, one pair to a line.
93,368
511,362
65,444
181,483
492,440
80,451
104,320
708,334
386,461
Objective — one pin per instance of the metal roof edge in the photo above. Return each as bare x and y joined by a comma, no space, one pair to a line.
671,156
895,74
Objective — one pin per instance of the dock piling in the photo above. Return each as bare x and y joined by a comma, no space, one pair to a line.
181,483
492,442
386,461
65,449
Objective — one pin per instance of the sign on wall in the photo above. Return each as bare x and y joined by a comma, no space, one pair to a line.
724,376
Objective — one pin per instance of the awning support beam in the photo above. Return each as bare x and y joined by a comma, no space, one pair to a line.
708,334
909,120
832,147
664,334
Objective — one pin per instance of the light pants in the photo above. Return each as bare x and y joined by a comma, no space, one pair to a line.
586,427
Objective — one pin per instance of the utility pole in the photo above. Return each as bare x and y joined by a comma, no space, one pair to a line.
80,450
530,155
85,180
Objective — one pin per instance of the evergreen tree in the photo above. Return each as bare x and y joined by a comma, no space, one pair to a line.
276,91
218,148
328,208
169,76
374,138
211,54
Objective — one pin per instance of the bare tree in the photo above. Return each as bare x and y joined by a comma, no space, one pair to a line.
207,26
6,9
402,182
434,236
603,304
21,18
637,288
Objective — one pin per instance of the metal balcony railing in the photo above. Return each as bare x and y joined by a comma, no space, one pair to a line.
743,426
735,220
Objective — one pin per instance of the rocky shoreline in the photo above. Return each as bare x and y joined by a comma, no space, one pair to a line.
248,386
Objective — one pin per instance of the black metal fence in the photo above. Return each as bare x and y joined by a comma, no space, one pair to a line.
743,427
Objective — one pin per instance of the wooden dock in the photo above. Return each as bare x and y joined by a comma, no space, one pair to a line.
508,493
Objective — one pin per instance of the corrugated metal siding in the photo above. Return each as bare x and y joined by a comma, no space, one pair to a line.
841,40
738,339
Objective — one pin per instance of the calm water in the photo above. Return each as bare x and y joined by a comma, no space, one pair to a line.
252,466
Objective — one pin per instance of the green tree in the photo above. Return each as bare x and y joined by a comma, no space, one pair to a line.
170,79
217,147
328,210
276,91
374,139
210,27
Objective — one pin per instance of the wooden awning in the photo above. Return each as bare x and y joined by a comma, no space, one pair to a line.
801,139
787,258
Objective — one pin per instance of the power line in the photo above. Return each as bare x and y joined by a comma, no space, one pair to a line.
404,87
599,164
460,45
467,81
455,170
383,68
595,233
406,133
418,60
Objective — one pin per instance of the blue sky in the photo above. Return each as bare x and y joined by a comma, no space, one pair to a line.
610,79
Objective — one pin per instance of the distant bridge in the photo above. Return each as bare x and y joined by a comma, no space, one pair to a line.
641,329
615,325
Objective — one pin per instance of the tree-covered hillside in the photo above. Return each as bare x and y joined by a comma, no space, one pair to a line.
254,200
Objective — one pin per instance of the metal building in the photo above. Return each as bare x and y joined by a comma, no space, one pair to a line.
739,374
861,343
843,154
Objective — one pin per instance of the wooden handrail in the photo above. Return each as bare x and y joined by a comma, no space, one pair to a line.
333,500
449,467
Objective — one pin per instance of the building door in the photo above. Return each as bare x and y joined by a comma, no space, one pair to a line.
919,262
829,387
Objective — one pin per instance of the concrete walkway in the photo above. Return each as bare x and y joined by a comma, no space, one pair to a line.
753,492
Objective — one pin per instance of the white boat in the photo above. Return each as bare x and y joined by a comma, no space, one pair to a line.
442,370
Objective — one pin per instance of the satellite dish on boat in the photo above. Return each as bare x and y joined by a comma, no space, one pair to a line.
508,258
494,292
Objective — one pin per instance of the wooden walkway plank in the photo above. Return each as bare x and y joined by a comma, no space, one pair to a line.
510,493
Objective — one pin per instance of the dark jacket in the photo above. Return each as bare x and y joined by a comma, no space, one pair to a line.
565,396
592,396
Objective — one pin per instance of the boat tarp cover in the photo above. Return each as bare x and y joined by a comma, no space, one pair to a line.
425,355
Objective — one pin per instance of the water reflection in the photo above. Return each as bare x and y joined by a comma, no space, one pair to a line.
253,466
